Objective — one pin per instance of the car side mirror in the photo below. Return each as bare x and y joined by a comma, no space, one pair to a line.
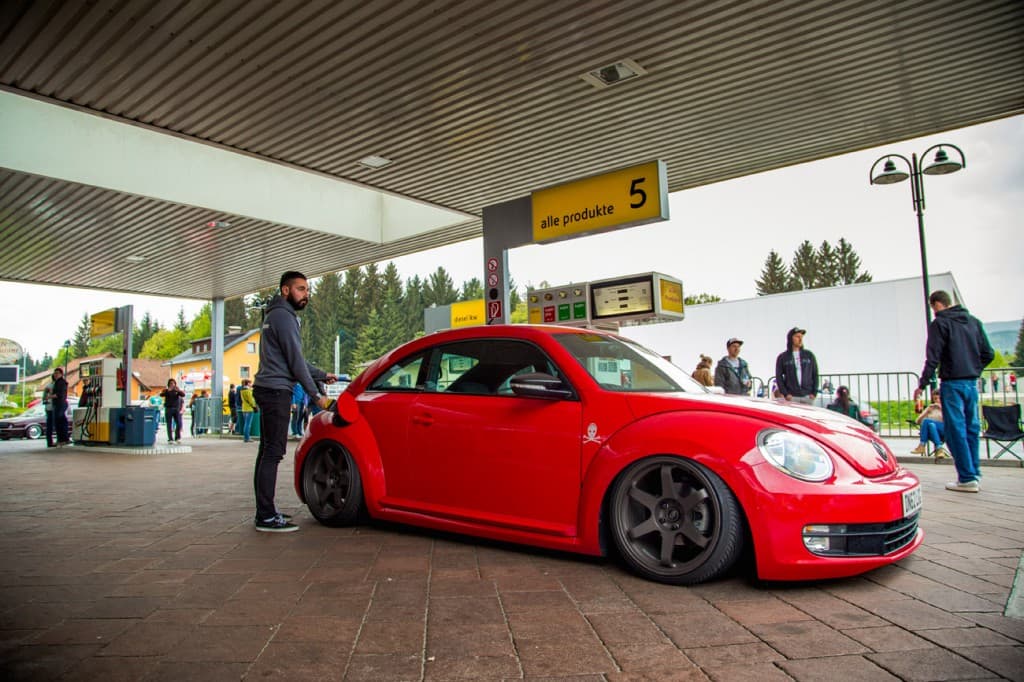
540,385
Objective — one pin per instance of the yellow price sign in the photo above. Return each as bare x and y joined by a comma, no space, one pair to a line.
622,198
671,296
102,323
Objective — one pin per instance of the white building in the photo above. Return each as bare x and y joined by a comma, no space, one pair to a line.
870,327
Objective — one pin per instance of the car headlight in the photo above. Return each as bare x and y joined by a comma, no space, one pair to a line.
796,455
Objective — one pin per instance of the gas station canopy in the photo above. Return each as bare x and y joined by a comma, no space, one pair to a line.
199,149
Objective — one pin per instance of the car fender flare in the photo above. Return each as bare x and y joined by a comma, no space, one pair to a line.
358,439
681,434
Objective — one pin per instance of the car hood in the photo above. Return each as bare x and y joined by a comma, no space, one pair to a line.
855,443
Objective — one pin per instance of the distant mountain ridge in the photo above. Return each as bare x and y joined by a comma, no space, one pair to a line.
1003,335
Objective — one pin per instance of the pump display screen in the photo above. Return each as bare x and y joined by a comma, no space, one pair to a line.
624,297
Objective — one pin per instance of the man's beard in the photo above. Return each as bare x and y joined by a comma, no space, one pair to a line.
297,303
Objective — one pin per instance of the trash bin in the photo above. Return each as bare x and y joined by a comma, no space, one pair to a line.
117,425
139,426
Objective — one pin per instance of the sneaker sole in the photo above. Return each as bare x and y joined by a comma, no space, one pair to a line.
263,529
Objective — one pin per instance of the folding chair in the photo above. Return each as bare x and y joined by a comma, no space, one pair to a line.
1003,428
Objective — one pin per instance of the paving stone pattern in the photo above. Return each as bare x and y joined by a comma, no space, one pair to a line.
132,567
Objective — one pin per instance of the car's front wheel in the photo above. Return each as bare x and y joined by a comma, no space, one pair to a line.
34,431
331,485
675,521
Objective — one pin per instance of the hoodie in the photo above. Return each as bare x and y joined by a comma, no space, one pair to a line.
786,375
957,345
281,361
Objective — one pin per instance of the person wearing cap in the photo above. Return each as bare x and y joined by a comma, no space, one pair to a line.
732,373
796,370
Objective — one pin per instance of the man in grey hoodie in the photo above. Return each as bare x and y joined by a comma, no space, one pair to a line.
281,366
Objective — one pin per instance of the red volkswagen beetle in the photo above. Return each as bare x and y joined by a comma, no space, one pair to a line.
585,441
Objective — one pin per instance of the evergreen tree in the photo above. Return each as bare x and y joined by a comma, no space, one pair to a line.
804,268
349,315
392,309
514,298
235,313
472,289
80,342
321,321
1018,359
372,342
439,289
774,276
848,265
412,307
180,324
142,332
828,266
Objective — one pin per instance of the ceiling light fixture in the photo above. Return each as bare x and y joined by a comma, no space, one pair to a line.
613,74
134,259
374,162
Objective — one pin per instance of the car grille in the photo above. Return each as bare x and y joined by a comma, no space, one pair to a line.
868,539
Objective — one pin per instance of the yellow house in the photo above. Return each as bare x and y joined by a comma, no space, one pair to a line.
192,368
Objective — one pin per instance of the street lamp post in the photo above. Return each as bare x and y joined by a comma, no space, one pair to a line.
891,174
67,351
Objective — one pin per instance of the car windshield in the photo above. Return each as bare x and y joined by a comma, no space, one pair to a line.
618,364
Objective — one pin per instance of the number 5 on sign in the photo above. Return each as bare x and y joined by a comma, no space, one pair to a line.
622,198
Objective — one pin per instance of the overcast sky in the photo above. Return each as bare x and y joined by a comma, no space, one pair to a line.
718,238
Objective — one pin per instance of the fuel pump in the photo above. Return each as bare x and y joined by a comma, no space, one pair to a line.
100,393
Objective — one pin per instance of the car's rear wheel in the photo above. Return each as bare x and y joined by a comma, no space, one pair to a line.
675,521
332,486
34,431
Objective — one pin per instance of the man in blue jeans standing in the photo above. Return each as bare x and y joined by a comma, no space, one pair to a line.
958,346
281,366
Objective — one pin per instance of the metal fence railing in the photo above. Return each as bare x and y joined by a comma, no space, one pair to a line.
889,396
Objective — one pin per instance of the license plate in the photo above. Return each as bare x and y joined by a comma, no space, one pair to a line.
911,501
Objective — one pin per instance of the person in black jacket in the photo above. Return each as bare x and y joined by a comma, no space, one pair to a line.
281,366
173,407
796,370
958,346
59,406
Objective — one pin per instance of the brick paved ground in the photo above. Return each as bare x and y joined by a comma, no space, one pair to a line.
130,567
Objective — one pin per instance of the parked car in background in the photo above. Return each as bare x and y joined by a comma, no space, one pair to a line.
31,423
584,441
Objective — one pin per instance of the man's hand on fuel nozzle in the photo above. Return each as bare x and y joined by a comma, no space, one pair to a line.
331,378
324,402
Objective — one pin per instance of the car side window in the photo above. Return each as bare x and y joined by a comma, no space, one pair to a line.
486,366
405,375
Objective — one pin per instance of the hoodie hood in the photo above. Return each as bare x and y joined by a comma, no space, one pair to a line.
280,301
957,314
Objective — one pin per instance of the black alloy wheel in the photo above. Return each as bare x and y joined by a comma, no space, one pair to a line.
675,521
332,486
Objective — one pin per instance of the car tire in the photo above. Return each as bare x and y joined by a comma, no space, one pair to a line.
332,486
34,431
675,521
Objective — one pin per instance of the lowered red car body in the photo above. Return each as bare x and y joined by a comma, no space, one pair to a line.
583,441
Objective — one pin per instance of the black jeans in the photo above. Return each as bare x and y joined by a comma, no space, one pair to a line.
275,412
173,424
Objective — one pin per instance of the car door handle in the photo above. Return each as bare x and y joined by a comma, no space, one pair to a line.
423,419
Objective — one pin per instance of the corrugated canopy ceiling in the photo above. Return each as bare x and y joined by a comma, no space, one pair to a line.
254,113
